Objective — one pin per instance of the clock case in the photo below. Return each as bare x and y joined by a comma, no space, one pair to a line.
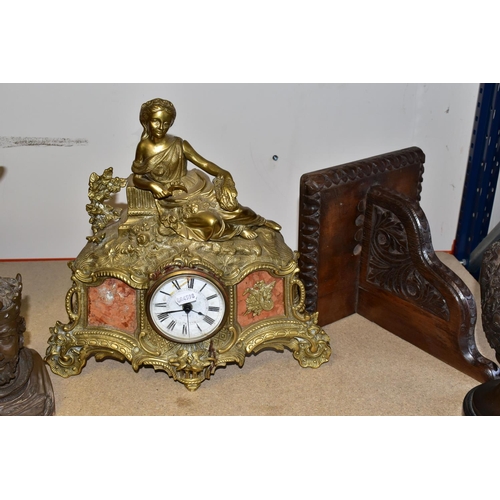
129,253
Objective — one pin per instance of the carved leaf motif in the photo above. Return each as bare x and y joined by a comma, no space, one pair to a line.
259,297
390,266
101,188
191,361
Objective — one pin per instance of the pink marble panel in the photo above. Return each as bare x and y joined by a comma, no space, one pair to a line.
247,318
113,304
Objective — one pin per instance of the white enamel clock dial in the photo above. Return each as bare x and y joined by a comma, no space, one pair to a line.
187,307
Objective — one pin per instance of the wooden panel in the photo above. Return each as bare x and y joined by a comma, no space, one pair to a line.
331,225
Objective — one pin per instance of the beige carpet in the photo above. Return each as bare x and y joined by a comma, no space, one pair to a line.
371,371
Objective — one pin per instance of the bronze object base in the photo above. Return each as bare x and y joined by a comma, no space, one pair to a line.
31,394
483,400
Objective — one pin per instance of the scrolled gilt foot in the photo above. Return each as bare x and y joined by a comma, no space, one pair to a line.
192,366
313,349
63,355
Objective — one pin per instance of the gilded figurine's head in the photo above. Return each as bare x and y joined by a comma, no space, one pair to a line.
12,327
151,110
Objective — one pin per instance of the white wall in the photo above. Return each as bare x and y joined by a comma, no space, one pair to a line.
43,189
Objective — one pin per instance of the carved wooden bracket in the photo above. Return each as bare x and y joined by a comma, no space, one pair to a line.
365,247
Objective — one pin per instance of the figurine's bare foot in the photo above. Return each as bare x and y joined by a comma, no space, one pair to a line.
248,234
273,225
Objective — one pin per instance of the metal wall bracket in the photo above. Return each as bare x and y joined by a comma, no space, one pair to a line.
480,179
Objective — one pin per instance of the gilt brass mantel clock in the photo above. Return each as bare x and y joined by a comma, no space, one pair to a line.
185,279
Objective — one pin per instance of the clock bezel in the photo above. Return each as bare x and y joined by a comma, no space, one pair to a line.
187,272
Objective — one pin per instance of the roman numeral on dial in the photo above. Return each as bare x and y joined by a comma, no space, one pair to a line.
162,316
209,320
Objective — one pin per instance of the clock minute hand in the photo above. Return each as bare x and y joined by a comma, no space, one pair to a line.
197,312
188,329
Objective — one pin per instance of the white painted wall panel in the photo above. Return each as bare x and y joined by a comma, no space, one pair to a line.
43,189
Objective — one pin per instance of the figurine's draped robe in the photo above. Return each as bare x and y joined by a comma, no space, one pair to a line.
195,214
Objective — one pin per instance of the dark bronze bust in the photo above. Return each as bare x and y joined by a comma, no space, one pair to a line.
484,400
25,387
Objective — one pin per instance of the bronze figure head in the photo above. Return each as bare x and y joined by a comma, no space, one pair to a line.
150,108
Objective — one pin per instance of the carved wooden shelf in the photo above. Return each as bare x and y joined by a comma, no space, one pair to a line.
365,247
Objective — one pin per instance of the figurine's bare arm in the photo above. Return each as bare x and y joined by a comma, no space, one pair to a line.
199,161
226,192
142,183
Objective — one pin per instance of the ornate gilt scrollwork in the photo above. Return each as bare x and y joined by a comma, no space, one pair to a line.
131,252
